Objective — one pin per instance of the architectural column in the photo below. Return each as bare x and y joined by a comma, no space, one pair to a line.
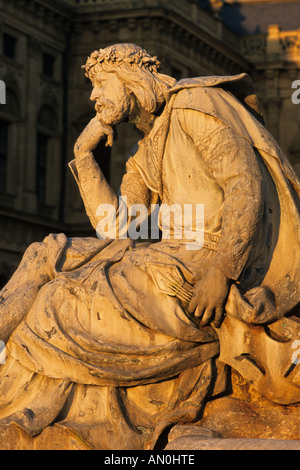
271,101
273,115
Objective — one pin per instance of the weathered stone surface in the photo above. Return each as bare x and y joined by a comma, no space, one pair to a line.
247,414
180,431
57,438
12,437
233,418
200,443
245,420
117,340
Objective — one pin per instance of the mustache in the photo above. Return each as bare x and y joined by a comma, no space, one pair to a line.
104,103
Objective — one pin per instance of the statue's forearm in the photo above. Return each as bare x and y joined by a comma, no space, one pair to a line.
93,186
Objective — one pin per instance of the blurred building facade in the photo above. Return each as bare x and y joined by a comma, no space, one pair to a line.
43,45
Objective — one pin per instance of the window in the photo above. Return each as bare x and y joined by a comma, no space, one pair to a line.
9,46
41,167
48,64
47,178
3,154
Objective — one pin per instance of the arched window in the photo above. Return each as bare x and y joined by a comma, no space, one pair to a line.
9,117
46,132
9,44
41,167
4,125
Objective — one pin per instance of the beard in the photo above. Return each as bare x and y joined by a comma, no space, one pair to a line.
110,113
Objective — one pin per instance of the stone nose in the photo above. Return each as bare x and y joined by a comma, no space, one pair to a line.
95,94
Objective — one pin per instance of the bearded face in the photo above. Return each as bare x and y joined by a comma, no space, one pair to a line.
111,97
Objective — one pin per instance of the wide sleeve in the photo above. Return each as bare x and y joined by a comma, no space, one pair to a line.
133,186
89,179
232,162
96,192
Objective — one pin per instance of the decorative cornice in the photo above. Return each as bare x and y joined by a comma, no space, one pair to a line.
275,45
187,10
170,29
39,14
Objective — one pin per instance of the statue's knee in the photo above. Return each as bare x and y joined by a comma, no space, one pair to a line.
34,251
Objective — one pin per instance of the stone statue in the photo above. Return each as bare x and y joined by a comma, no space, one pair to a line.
118,338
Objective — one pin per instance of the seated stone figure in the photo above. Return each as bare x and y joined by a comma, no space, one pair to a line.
118,339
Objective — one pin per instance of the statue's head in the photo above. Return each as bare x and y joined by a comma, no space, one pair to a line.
119,73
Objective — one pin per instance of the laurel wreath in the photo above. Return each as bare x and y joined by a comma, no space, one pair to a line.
116,57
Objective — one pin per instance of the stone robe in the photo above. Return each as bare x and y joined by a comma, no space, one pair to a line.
95,345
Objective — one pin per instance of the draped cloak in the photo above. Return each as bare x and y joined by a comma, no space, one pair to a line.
115,359
232,100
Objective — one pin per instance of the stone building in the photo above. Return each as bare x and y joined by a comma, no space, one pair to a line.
42,47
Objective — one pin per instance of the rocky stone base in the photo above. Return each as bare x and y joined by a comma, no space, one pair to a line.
246,414
12,437
193,443
188,438
244,420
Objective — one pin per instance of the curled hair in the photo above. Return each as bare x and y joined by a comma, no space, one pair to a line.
134,67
